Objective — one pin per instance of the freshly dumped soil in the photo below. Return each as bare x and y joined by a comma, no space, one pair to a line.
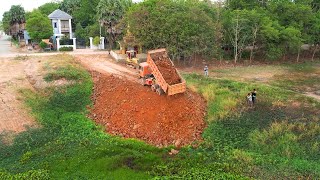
166,68
130,110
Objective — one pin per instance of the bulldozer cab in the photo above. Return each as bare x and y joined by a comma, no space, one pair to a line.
131,54
144,69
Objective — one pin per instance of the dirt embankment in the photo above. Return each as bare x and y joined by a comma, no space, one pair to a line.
13,115
130,110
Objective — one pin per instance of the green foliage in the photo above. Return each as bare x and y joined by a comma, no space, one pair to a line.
17,14
48,8
43,45
68,73
96,40
86,14
6,21
288,139
271,141
109,13
39,26
68,48
70,6
32,174
68,144
183,27
80,31
263,136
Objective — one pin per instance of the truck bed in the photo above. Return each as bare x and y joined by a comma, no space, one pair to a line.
165,73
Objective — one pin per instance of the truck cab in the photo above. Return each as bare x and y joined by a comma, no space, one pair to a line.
144,70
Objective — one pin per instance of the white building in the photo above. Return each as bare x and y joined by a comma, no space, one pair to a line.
61,23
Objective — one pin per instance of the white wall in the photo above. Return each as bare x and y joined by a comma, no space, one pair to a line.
55,30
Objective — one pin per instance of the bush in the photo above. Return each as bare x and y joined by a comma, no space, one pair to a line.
43,45
66,49
96,41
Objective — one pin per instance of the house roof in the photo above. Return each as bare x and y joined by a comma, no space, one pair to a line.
58,14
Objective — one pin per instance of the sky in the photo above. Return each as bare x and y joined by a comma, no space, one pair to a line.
28,5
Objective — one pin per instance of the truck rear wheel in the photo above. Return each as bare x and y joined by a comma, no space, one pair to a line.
153,88
159,91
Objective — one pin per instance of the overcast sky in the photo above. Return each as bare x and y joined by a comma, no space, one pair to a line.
27,4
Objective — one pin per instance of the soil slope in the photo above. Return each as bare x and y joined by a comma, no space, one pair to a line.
130,110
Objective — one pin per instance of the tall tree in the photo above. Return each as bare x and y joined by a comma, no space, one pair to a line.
48,8
291,38
315,34
87,12
70,6
237,28
109,13
17,14
6,22
183,27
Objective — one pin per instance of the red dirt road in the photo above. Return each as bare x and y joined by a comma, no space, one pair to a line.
130,110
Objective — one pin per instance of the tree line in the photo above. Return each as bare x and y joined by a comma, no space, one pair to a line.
230,29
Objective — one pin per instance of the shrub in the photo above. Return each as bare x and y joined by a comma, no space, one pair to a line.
96,41
43,45
66,49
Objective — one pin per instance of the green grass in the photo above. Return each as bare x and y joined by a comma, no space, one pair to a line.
274,140
272,131
68,144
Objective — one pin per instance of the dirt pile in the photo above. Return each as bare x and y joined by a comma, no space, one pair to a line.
130,110
166,68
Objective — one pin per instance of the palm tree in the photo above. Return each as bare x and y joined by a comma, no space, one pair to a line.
109,13
17,14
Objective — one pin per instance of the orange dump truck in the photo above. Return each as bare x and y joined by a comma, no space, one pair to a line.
159,73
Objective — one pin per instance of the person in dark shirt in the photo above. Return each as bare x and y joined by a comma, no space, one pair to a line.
254,96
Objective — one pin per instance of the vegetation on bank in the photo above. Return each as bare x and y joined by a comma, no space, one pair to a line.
240,30
276,139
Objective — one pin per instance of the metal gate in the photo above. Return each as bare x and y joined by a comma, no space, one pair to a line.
81,43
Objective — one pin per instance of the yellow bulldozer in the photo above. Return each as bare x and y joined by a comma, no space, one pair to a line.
132,59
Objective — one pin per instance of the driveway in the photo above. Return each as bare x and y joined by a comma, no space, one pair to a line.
5,48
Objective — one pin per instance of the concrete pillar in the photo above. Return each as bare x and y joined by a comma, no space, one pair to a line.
74,43
59,26
58,44
91,42
102,42
70,28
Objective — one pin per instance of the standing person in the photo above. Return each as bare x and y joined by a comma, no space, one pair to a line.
249,99
254,96
206,70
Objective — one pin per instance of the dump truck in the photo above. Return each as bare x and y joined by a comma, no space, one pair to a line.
160,74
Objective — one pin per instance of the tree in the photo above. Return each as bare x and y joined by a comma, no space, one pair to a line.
237,28
291,38
87,12
17,14
109,13
270,38
48,8
39,26
6,22
70,6
315,34
183,27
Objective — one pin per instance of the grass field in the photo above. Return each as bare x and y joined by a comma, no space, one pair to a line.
277,139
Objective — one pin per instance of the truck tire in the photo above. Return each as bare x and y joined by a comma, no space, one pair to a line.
159,91
153,88
143,81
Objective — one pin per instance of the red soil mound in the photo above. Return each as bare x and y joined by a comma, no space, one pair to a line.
166,68
130,110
